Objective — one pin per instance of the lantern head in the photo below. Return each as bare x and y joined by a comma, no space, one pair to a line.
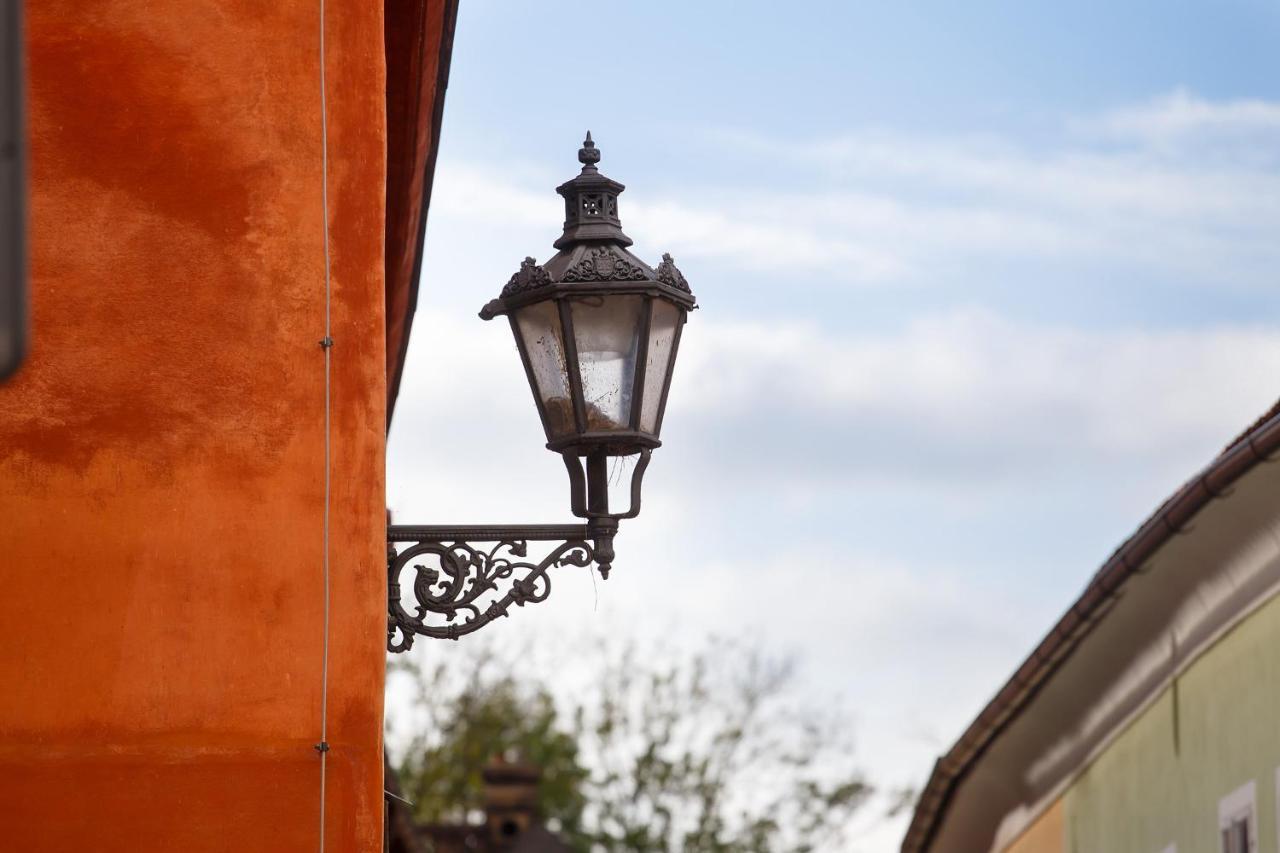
598,330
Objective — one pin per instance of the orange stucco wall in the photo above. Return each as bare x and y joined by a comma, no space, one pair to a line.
1046,835
161,453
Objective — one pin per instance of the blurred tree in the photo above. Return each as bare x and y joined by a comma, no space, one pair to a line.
703,752
490,714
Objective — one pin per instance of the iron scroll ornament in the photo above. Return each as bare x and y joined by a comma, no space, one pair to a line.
459,582
454,579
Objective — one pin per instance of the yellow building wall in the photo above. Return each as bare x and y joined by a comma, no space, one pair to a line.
1159,783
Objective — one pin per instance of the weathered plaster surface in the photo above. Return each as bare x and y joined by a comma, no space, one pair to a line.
161,454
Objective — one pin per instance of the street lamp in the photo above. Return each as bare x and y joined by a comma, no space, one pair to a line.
597,330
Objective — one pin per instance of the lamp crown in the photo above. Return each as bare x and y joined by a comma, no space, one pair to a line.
593,250
591,203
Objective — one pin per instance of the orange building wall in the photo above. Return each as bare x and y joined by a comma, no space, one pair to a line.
1046,835
161,453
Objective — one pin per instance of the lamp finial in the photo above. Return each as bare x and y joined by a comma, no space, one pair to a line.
588,154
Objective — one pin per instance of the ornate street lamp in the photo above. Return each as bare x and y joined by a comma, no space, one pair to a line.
597,330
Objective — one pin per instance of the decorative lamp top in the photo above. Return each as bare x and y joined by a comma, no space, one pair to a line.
591,203
593,248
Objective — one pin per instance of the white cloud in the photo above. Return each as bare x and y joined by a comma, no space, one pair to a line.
930,205
962,385
981,379
1180,114
958,403
876,207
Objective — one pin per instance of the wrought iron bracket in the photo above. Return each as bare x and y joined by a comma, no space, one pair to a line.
459,572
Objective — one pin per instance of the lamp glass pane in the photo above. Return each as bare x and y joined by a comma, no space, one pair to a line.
662,338
539,325
607,331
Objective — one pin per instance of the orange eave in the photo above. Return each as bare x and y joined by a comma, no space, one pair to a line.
419,43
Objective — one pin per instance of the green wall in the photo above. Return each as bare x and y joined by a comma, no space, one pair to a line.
1214,730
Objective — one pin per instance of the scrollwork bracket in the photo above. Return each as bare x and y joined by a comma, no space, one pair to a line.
459,573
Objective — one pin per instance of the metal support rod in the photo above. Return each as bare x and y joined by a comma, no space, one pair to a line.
597,484
484,532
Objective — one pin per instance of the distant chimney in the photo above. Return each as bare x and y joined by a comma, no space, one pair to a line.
510,801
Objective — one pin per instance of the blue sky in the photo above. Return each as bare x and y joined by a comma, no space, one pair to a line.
982,284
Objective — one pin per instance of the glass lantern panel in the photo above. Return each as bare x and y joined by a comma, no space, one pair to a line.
662,339
539,325
607,331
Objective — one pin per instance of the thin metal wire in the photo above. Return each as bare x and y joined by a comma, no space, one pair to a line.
327,349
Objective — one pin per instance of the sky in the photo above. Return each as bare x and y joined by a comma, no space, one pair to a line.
981,284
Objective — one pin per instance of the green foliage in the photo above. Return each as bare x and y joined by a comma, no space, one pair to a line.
708,752
492,714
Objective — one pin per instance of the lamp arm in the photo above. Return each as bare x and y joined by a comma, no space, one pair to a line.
464,571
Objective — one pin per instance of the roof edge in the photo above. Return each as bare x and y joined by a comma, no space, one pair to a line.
428,180
1254,446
